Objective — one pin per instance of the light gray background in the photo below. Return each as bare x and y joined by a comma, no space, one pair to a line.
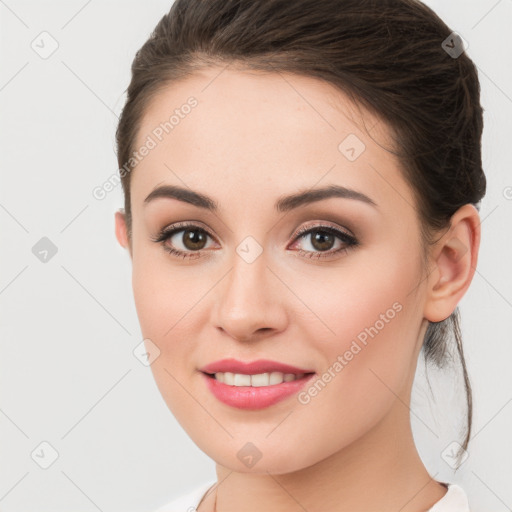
69,326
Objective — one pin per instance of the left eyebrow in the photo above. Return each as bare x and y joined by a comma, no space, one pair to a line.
283,204
287,203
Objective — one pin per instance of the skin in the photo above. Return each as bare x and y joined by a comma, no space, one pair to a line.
253,138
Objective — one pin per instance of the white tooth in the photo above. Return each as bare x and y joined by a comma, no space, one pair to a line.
276,378
258,380
261,379
229,378
242,380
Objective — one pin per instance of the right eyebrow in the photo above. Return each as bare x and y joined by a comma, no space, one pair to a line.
183,194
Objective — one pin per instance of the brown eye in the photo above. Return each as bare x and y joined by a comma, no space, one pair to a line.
323,240
194,239
183,240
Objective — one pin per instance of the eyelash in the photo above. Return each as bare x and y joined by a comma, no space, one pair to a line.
168,232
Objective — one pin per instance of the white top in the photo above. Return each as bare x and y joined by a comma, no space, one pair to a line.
455,500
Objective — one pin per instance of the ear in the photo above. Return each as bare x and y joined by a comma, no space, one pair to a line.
122,231
454,257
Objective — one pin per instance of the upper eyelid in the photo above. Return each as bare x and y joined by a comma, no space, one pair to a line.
306,229
181,226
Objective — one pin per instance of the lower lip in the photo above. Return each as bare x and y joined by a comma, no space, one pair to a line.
248,397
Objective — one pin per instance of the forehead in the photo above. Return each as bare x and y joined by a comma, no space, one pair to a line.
262,134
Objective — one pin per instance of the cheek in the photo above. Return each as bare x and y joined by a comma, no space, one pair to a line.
370,319
370,358
165,301
165,293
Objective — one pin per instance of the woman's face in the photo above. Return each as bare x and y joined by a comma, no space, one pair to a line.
346,304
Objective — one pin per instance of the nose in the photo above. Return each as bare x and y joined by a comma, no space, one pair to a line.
250,301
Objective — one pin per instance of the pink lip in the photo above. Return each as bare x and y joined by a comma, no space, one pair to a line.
252,368
248,397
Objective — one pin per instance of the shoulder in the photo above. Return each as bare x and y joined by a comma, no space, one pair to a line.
187,502
455,500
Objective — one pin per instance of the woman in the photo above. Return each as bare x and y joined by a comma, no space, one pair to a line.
301,184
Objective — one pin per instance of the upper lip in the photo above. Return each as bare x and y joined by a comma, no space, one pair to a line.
251,368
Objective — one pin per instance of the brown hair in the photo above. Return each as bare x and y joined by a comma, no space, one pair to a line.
386,55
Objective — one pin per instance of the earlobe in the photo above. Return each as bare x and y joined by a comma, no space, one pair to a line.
121,229
455,259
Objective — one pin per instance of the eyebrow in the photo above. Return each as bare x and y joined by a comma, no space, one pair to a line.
283,204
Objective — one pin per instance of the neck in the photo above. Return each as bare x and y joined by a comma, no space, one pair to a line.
380,472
